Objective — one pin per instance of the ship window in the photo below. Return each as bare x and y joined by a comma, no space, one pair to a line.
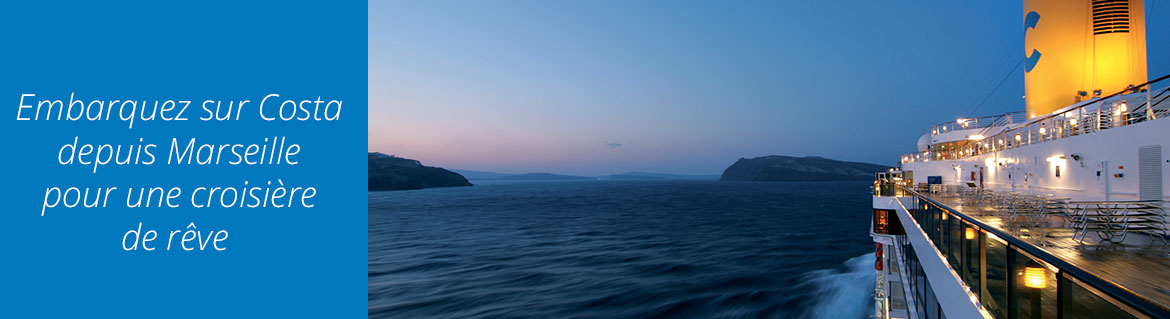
881,221
919,287
1080,301
886,222
995,292
1029,302
931,302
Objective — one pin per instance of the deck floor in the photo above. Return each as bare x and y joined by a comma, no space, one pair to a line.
1141,263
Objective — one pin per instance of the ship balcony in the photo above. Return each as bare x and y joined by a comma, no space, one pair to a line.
1025,256
885,184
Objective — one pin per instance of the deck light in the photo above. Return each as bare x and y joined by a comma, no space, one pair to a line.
1072,121
945,216
1017,137
1043,131
970,233
1034,277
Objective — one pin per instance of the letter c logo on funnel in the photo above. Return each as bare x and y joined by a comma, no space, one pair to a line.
1030,23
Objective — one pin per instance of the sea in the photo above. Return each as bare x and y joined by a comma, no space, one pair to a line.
623,249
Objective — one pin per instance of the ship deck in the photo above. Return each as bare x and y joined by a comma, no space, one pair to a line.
1140,262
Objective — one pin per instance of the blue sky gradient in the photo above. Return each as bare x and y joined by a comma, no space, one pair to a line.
600,87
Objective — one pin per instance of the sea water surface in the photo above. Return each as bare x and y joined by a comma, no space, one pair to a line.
596,249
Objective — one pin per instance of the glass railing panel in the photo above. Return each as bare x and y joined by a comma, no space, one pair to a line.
955,243
1033,289
994,295
972,259
1083,302
940,238
883,187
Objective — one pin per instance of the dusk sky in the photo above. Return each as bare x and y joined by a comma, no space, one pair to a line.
602,87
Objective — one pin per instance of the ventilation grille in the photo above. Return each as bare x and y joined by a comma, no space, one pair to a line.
1110,16
1150,172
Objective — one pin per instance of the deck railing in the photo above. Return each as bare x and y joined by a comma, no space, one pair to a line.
1013,278
977,122
1127,107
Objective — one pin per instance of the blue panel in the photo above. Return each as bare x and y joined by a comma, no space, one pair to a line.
291,262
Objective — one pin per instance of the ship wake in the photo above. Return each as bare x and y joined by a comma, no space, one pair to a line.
845,291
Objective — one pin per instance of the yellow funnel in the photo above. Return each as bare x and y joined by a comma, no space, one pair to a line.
1075,48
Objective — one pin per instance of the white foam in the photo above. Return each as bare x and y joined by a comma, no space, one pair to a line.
847,294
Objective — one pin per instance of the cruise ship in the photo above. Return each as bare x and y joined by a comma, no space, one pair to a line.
1056,211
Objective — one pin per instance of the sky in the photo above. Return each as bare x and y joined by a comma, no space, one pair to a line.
603,87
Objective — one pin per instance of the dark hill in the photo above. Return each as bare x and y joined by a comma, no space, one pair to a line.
540,177
388,172
776,168
646,176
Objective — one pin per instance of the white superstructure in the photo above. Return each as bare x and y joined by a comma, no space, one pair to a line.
1056,211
